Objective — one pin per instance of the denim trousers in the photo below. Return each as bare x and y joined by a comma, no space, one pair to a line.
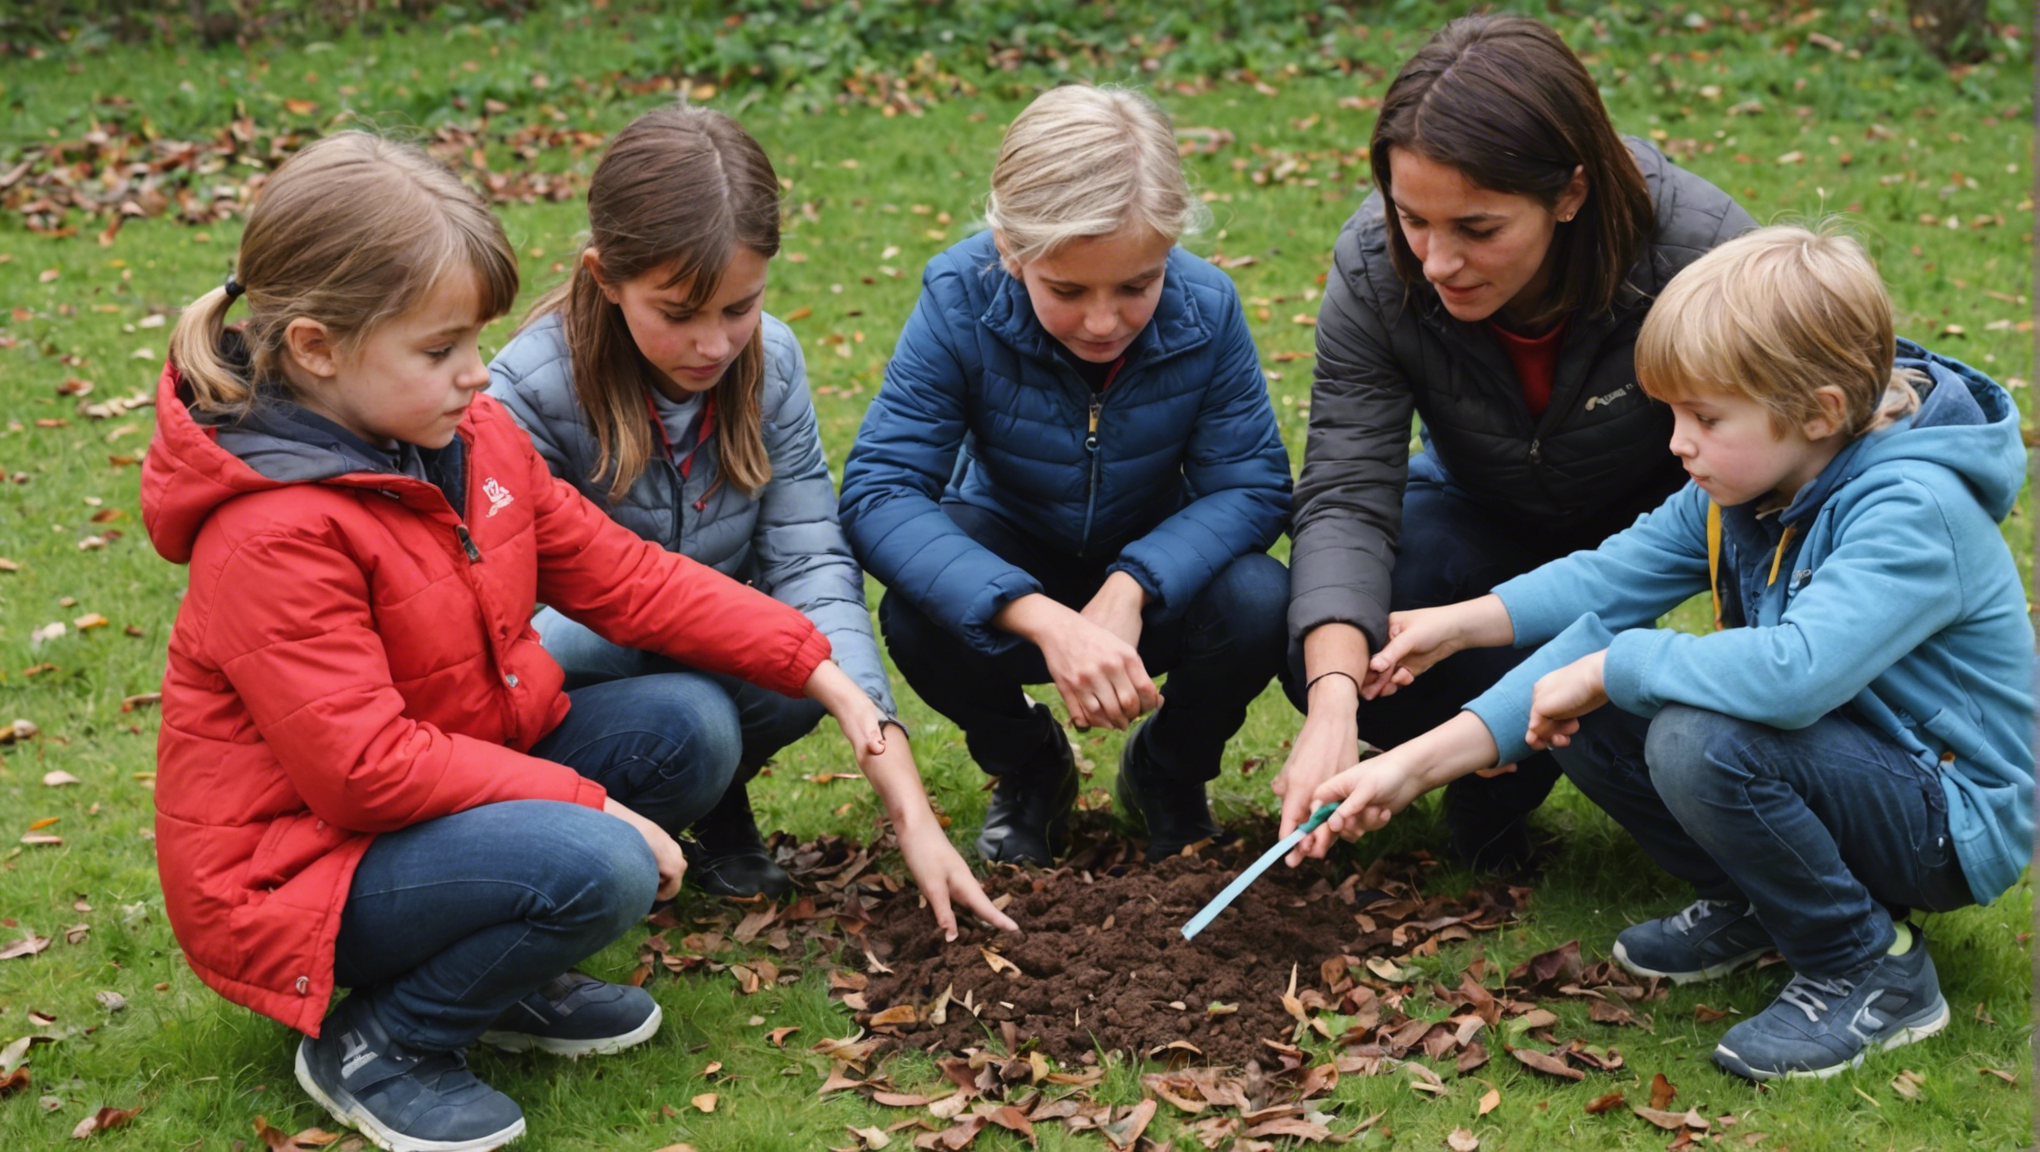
452,920
1452,549
750,724
1829,831
1218,653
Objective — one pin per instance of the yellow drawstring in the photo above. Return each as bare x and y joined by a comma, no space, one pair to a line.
1714,557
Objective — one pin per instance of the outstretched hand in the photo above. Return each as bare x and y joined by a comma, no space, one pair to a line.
946,880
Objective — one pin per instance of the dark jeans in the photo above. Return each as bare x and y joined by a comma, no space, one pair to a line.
751,724
450,921
1218,653
1824,830
1450,550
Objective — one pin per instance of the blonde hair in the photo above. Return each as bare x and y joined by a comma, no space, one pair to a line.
1082,161
1773,316
352,231
679,190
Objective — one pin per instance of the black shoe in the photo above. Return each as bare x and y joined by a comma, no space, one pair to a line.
728,856
1174,812
1027,821
401,1100
574,1014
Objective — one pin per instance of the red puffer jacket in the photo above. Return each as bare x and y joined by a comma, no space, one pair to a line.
353,656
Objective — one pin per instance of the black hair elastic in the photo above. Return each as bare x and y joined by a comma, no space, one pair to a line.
232,287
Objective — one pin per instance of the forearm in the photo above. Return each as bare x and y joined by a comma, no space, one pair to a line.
1460,745
1033,616
1483,622
1334,666
897,780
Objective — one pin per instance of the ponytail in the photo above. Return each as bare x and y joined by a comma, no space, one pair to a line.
218,386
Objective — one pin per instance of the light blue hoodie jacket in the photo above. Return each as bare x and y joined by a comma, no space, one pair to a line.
1896,594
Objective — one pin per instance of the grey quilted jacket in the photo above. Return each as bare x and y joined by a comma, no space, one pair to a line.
785,540
1597,457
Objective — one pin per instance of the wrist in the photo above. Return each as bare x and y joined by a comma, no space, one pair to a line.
1334,691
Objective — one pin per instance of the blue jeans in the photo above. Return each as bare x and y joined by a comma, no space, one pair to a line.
750,722
1452,549
1824,830
1218,653
450,921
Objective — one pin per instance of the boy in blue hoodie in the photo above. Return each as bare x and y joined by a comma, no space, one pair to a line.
1853,740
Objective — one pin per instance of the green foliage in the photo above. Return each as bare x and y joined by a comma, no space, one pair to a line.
1931,167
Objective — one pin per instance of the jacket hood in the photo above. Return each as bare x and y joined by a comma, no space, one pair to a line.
1966,423
194,466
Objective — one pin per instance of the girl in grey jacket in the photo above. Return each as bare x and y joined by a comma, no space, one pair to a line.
654,381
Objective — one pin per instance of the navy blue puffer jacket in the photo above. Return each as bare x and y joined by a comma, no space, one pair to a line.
1169,475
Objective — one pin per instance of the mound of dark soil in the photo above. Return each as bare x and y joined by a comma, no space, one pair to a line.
1101,963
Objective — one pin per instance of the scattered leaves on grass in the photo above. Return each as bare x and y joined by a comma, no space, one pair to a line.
1661,1091
704,1102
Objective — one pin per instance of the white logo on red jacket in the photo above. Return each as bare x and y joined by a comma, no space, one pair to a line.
497,494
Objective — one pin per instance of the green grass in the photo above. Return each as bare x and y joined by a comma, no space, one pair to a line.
1932,170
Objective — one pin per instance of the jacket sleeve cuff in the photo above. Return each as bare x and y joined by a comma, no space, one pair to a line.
1625,673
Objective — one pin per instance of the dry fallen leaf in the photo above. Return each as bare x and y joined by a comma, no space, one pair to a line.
999,963
1462,1140
58,778
102,1120
1489,1101
704,1102
1661,1092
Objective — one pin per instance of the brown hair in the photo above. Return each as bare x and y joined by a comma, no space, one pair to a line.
1775,315
352,231
1082,161
678,191
1504,101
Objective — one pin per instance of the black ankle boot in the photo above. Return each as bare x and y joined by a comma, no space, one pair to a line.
1174,812
729,856
1027,820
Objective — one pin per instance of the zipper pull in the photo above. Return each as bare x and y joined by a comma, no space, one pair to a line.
1091,440
467,544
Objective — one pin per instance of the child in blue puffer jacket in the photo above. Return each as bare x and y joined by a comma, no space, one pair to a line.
653,380
1853,741
1072,474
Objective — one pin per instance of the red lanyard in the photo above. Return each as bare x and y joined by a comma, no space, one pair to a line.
707,429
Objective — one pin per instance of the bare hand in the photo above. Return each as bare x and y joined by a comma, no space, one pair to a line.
1328,741
1417,640
665,850
946,880
1367,793
1101,677
1561,697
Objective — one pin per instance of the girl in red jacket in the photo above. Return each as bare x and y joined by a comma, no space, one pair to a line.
369,775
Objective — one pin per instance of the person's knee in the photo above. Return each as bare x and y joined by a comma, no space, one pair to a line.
1691,751
1248,602
602,873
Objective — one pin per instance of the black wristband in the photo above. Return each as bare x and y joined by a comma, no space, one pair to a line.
1312,682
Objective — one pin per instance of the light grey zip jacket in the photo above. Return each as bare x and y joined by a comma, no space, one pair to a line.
785,540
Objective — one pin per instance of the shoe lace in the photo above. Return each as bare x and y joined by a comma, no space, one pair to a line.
1806,994
1698,910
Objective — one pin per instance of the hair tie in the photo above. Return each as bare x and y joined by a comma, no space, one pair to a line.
232,287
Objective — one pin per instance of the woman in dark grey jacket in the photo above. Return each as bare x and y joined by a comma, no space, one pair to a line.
1493,286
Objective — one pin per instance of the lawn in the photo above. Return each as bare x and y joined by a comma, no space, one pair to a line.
883,119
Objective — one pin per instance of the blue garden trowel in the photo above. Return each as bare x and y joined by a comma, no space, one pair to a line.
1232,891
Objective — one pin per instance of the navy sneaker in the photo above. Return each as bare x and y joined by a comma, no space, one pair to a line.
1816,1028
401,1100
1709,938
1173,813
1027,820
574,1014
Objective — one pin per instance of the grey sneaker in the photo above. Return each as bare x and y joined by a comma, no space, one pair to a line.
401,1100
1709,938
574,1014
1816,1028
